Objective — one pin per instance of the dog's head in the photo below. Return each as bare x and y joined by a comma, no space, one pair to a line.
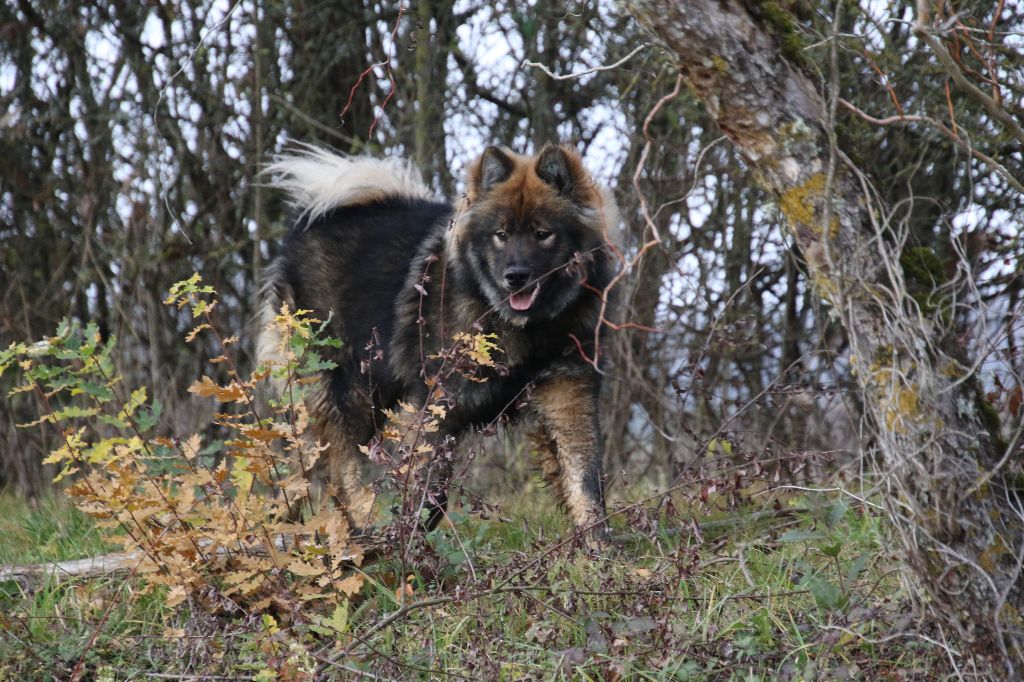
530,230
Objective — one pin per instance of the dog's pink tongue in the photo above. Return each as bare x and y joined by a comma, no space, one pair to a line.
523,300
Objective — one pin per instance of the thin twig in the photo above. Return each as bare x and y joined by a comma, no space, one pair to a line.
577,74
942,128
924,30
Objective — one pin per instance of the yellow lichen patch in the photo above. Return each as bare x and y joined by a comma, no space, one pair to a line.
901,409
833,227
991,555
907,401
721,66
953,369
883,355
800,206
798,203
825,286
1010,614
898,397
881,374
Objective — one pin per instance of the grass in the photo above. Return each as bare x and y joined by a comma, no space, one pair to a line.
49,531
46,631
810,593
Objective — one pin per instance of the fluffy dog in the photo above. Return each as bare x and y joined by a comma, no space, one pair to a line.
524,256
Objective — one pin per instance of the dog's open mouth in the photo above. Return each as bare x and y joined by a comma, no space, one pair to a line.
522,300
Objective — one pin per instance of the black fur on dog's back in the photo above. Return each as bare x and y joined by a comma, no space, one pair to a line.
352,263
400,274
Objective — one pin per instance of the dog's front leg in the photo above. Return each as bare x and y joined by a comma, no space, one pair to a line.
567,407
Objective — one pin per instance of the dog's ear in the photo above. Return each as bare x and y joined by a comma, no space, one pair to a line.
557,168
494,168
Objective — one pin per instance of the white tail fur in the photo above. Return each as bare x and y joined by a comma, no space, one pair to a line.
318,180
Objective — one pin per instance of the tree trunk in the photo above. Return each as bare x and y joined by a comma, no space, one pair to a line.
953,497
432,38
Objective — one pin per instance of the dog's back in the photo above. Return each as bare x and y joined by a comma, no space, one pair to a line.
360,222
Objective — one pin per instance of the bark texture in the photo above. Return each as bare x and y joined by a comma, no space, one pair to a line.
956,508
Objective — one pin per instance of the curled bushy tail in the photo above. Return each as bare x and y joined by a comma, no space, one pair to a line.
318,180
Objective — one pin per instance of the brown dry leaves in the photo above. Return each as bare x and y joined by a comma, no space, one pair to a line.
216,524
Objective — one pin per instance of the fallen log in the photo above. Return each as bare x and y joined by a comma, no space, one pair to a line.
30,575
90,567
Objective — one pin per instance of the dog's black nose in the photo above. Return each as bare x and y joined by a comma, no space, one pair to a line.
517,276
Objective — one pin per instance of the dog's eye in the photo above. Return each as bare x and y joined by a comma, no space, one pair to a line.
501,236
541,235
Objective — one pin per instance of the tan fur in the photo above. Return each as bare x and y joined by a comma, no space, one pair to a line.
342,458
567,413
269,340
546,451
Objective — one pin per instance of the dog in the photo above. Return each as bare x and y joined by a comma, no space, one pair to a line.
524,256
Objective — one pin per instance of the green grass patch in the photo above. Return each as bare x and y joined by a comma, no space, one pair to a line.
808,592
51,530
47,628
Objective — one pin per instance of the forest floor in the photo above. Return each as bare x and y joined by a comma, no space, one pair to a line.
804,589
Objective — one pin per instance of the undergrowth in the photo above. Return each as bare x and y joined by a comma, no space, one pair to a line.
235,570
805,593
